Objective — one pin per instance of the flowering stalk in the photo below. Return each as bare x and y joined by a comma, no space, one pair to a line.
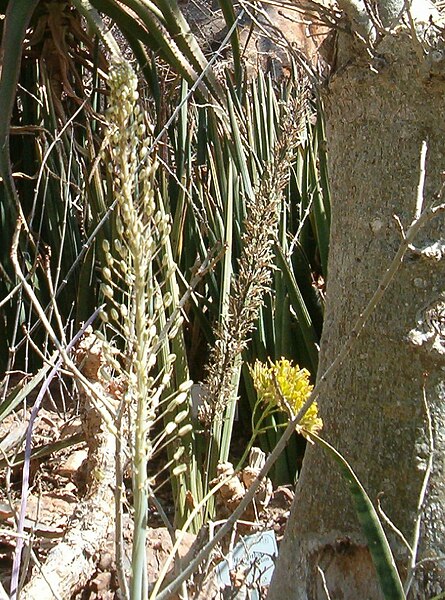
286,387
247,291
137,301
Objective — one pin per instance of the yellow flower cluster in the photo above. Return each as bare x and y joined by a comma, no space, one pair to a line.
287,387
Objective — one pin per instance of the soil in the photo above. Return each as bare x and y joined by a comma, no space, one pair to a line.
57,486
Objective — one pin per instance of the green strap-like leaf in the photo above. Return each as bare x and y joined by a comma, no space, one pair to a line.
161,27
298,304
180,31
229,16
17,18
21,391
320,213
372,528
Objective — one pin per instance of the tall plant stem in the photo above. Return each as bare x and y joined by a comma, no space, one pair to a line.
140,492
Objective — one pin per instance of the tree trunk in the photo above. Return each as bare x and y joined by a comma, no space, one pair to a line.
378,112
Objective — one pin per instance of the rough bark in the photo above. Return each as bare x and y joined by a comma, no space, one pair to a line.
377,115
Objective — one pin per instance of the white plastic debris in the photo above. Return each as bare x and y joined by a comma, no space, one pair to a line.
249,565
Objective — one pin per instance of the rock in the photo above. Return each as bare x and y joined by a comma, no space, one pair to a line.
101,582
72,464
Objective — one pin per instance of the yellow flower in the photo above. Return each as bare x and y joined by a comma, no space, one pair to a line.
287,387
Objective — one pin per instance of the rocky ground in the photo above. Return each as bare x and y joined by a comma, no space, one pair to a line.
58,486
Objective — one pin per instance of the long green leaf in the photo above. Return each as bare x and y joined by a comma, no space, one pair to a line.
20,392
229,16
378,545
239,151
169,36
320,214
17,18
304,318
186,41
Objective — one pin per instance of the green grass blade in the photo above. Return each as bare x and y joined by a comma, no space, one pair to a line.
320,200
304,318
239,151
322,161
